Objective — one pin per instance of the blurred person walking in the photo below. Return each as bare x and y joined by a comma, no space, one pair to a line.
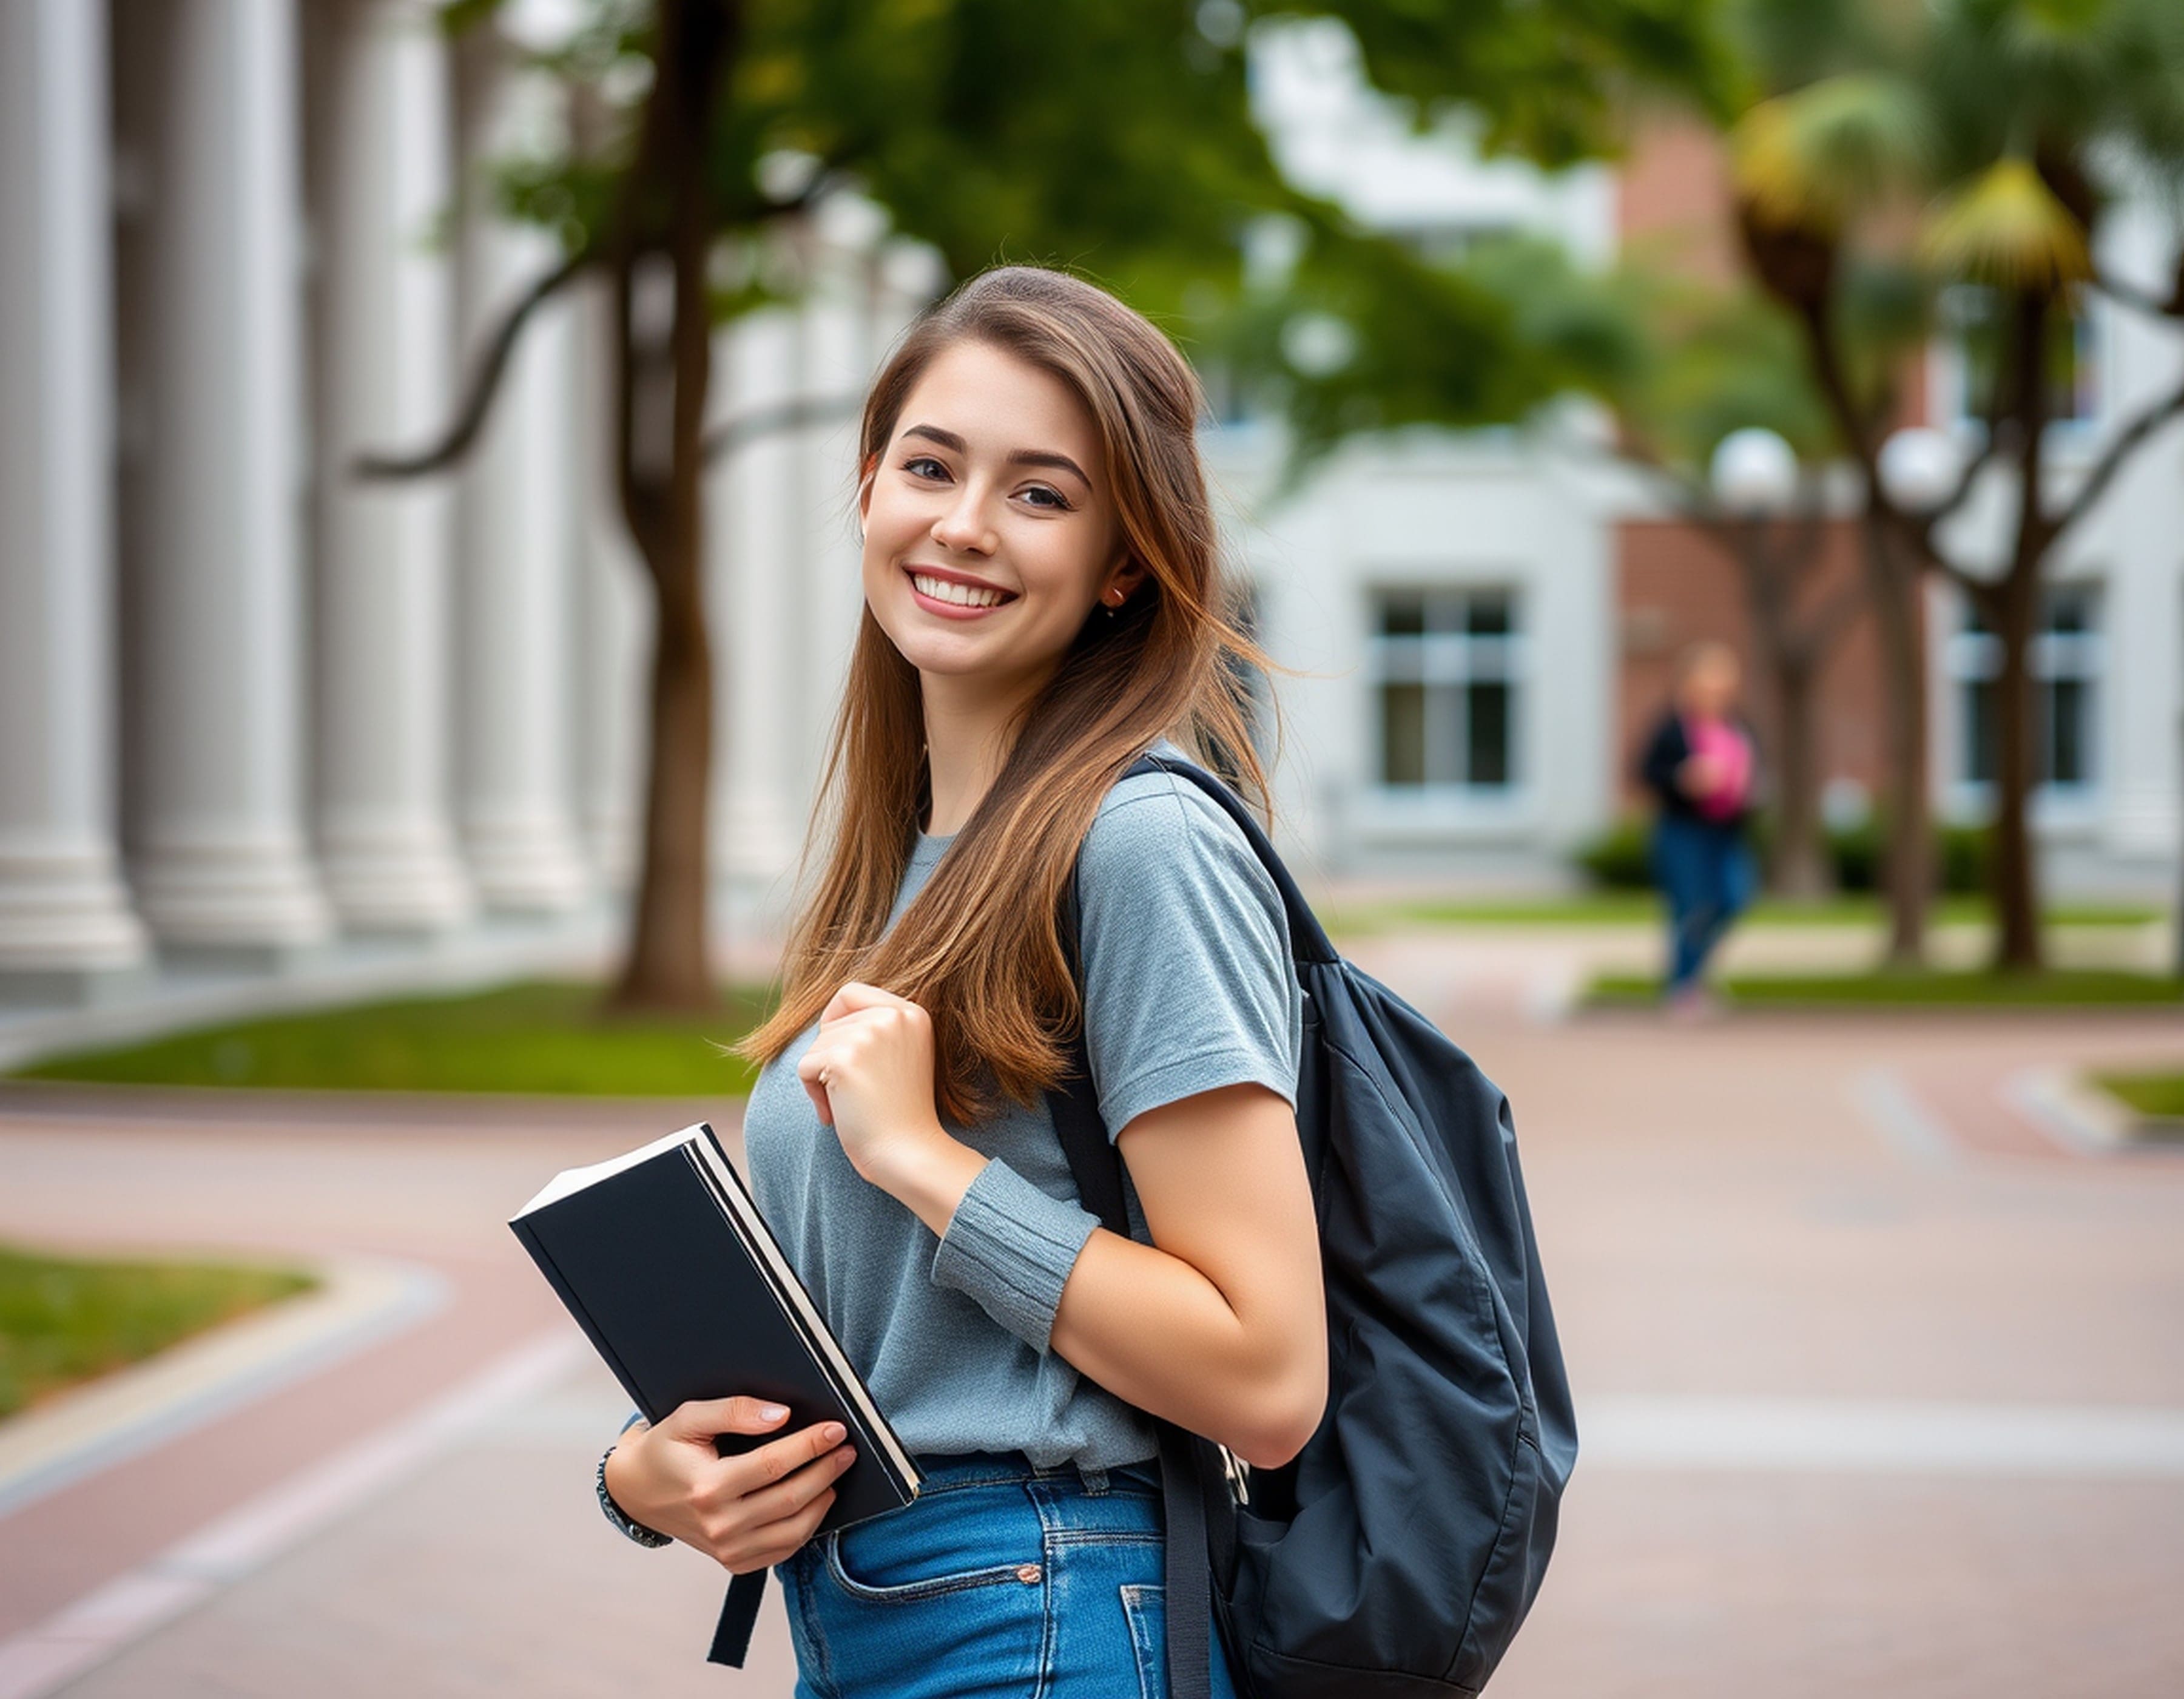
1700,763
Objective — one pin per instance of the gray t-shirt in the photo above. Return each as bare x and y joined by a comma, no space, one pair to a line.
1188,985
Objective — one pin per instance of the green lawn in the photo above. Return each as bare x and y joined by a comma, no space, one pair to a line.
2149,1094
2070,986
541,1036
1643,908
63,1320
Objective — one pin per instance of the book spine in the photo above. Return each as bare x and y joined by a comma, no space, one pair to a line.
536,1246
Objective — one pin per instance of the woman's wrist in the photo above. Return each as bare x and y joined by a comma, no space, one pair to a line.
929,1173
622,1518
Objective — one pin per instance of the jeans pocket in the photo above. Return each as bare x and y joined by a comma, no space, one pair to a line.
982,1536
1144,1610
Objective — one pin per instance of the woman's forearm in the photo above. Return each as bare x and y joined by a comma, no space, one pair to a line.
1154,1329
1158,1333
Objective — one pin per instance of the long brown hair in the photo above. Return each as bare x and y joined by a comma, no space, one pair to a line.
978,948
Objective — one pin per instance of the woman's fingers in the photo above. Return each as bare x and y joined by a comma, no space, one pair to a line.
788,1498
700,1419
778,1541
778,1459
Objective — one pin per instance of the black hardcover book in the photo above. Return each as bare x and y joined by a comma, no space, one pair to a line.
664,1261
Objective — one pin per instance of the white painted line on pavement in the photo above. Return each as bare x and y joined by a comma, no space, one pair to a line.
123,1414
1906,1125
1881,1436
2049,1098
40,1659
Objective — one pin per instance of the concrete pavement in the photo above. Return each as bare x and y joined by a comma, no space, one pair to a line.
1880,1378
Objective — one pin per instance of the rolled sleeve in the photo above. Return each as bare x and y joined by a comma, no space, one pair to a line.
1011,1247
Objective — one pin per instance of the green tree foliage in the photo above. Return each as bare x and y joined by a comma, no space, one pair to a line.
1114,137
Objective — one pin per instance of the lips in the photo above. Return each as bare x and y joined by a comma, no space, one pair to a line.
955,610
964,578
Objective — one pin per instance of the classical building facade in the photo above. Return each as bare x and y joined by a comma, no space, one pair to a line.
256,710
253,707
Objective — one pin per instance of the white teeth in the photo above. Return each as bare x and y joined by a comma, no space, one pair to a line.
942,590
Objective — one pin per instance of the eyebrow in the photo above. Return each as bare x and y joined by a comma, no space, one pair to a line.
1020,457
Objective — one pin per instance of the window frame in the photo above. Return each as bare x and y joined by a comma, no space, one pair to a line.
1970,657
1446,659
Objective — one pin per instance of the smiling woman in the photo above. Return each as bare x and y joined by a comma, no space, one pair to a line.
1044,602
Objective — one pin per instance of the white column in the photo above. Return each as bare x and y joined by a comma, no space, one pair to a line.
222,858
616,636
65,927
842,347
386,336
757,545
517,547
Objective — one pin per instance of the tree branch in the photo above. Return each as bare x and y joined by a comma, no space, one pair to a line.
1958,497
1689,494
484,385
1835,617
741,429
2149,420
2131,295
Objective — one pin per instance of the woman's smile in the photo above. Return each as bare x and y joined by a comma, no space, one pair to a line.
952,599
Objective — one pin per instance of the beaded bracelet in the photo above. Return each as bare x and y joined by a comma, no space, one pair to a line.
636,1530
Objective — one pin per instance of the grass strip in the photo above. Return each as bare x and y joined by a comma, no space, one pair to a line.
63,1320
2058,987
543,1036
1643,908
2158,1095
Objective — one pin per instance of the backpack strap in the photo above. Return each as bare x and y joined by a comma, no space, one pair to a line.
1201,1528
1187,1591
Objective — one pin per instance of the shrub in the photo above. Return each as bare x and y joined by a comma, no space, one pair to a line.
1616,859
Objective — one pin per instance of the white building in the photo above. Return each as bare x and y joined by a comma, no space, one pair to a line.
260,721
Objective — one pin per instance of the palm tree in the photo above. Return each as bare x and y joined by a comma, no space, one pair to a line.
1957,142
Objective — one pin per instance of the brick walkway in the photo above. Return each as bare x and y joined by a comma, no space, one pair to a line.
1881,1386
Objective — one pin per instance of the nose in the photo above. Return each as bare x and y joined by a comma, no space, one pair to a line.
963,526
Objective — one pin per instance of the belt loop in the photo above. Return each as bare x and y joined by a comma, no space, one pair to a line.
1094,1479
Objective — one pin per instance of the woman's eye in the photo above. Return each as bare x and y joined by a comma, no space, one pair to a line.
924,466
1050,498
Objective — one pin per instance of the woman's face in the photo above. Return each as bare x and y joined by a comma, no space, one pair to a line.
1710,687
993,477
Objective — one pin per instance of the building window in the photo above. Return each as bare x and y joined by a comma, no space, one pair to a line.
2065,664
1971,317
1448,672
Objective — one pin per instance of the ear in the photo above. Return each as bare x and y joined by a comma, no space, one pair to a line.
1125,571
865,491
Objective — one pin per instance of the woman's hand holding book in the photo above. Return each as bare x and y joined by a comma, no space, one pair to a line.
747,1511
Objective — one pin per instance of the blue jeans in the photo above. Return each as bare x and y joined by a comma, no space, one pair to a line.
999,1580
1706,873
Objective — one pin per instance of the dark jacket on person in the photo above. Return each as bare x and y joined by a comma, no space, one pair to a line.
1667,751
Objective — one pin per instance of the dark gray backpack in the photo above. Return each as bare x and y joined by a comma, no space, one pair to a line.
1395,1556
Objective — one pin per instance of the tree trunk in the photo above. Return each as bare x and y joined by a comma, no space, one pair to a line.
1908,874
2015,605
2016,905
1790,659
1801,864
668,964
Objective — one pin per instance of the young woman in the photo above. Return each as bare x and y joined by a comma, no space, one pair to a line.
1699,764
1043,603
